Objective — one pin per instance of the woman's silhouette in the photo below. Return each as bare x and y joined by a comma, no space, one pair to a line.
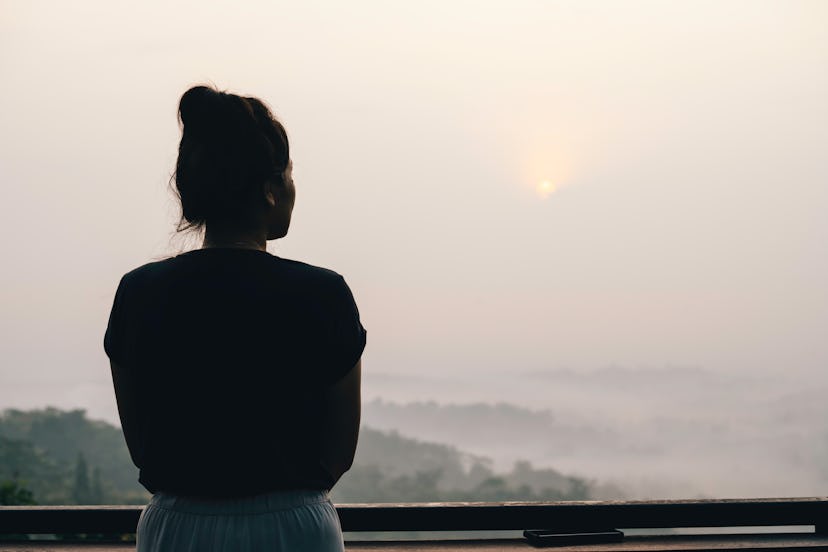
237,373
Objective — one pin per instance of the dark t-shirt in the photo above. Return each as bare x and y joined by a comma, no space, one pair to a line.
227,352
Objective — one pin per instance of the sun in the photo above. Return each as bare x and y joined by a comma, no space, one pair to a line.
545,189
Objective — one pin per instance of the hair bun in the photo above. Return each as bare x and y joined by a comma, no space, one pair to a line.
202,110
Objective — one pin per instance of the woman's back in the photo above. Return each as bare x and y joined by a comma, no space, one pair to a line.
231,349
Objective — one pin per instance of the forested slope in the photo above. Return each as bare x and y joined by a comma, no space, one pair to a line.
52,456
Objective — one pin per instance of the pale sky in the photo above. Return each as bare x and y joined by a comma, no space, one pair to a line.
684,144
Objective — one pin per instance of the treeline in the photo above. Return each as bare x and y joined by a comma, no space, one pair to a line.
391,468
62,457
52,456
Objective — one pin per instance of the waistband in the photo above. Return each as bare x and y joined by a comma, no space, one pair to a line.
259,504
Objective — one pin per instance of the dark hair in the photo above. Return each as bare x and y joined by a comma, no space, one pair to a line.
230,145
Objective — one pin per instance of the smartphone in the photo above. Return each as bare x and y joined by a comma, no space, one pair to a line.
540,537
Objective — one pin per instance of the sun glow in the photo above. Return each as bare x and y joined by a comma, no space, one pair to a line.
545,189
547,170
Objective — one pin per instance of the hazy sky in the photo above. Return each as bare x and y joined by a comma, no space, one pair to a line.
684,145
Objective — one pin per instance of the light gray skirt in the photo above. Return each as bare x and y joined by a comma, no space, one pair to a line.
276,521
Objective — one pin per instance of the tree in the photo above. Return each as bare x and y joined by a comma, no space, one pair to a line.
14,494
96,494
81,492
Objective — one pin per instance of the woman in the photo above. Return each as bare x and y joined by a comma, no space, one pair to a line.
237,373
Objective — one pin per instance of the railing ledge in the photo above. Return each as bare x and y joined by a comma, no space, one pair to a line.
473,516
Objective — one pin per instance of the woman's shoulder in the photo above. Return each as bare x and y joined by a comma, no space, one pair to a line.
318,273
322,283
148,270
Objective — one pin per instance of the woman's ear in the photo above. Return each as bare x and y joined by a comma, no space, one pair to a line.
270,193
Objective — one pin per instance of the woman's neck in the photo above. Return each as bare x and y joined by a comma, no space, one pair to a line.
238,240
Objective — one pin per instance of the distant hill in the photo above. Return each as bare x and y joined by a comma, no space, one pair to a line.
478,424
503,432
62,457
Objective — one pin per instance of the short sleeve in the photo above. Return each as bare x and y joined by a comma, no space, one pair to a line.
347,335
113,336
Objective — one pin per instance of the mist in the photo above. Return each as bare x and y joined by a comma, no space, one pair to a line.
682,244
